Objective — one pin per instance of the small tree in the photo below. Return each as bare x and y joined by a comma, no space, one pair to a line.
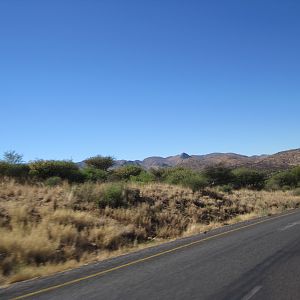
296,172
12,157
125,172
158,173
219,175
144,177
44,169
93,174
244,177
100,162
283,179
17,171
186,177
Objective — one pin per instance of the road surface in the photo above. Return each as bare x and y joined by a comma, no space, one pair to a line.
259,259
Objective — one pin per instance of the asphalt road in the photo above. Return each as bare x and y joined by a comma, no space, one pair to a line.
259,259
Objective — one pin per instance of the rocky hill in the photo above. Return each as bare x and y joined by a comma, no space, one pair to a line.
279,161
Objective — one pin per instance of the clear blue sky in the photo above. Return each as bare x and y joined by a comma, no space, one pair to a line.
138,78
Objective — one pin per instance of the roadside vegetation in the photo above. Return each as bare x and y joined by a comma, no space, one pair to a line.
55,215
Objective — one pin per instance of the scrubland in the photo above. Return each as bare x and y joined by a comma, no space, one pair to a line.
45,229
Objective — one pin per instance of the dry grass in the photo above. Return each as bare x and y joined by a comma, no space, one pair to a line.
49,229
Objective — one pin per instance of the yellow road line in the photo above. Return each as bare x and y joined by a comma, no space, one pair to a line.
148,257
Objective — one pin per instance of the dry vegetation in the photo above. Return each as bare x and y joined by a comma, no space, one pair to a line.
47,229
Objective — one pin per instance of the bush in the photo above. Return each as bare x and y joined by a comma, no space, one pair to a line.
94,175
158,173
144,177
296,172
246,178
100,162
176,175
219,175
272,185
53,181
18,171
185,177
195,182
112,196
125,172
43,169
283,179
3,168
116,195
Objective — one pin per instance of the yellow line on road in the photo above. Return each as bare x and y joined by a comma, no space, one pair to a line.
147,258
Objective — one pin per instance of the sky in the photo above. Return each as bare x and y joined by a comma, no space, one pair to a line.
140,78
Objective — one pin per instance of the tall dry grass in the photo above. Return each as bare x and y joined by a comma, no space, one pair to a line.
47,229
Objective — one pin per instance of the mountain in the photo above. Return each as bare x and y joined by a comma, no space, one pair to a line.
155,161
279,161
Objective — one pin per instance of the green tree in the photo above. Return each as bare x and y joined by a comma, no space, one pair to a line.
12,157
244,177
296,172
100,162
17,171
196,182
44,169
125,172
158,173
219,175
144,177
93,174
284,179
185,177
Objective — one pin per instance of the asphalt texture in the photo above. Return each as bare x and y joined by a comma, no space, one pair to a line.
258,259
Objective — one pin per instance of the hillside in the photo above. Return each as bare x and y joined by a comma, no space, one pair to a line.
279,161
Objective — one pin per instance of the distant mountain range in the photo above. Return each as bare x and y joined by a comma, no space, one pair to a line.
279,161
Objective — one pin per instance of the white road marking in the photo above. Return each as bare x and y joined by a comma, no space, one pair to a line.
289,226
254,291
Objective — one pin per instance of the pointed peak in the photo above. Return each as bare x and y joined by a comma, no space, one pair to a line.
184,155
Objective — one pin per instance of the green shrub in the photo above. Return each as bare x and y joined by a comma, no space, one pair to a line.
283,179
53,181
43,169
100,162
112,196
158,173
18,171
144,177
94,175
176,175
296,172
219,175
3,168
185,177
247,178
125,172
272,185
117,195
195,182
